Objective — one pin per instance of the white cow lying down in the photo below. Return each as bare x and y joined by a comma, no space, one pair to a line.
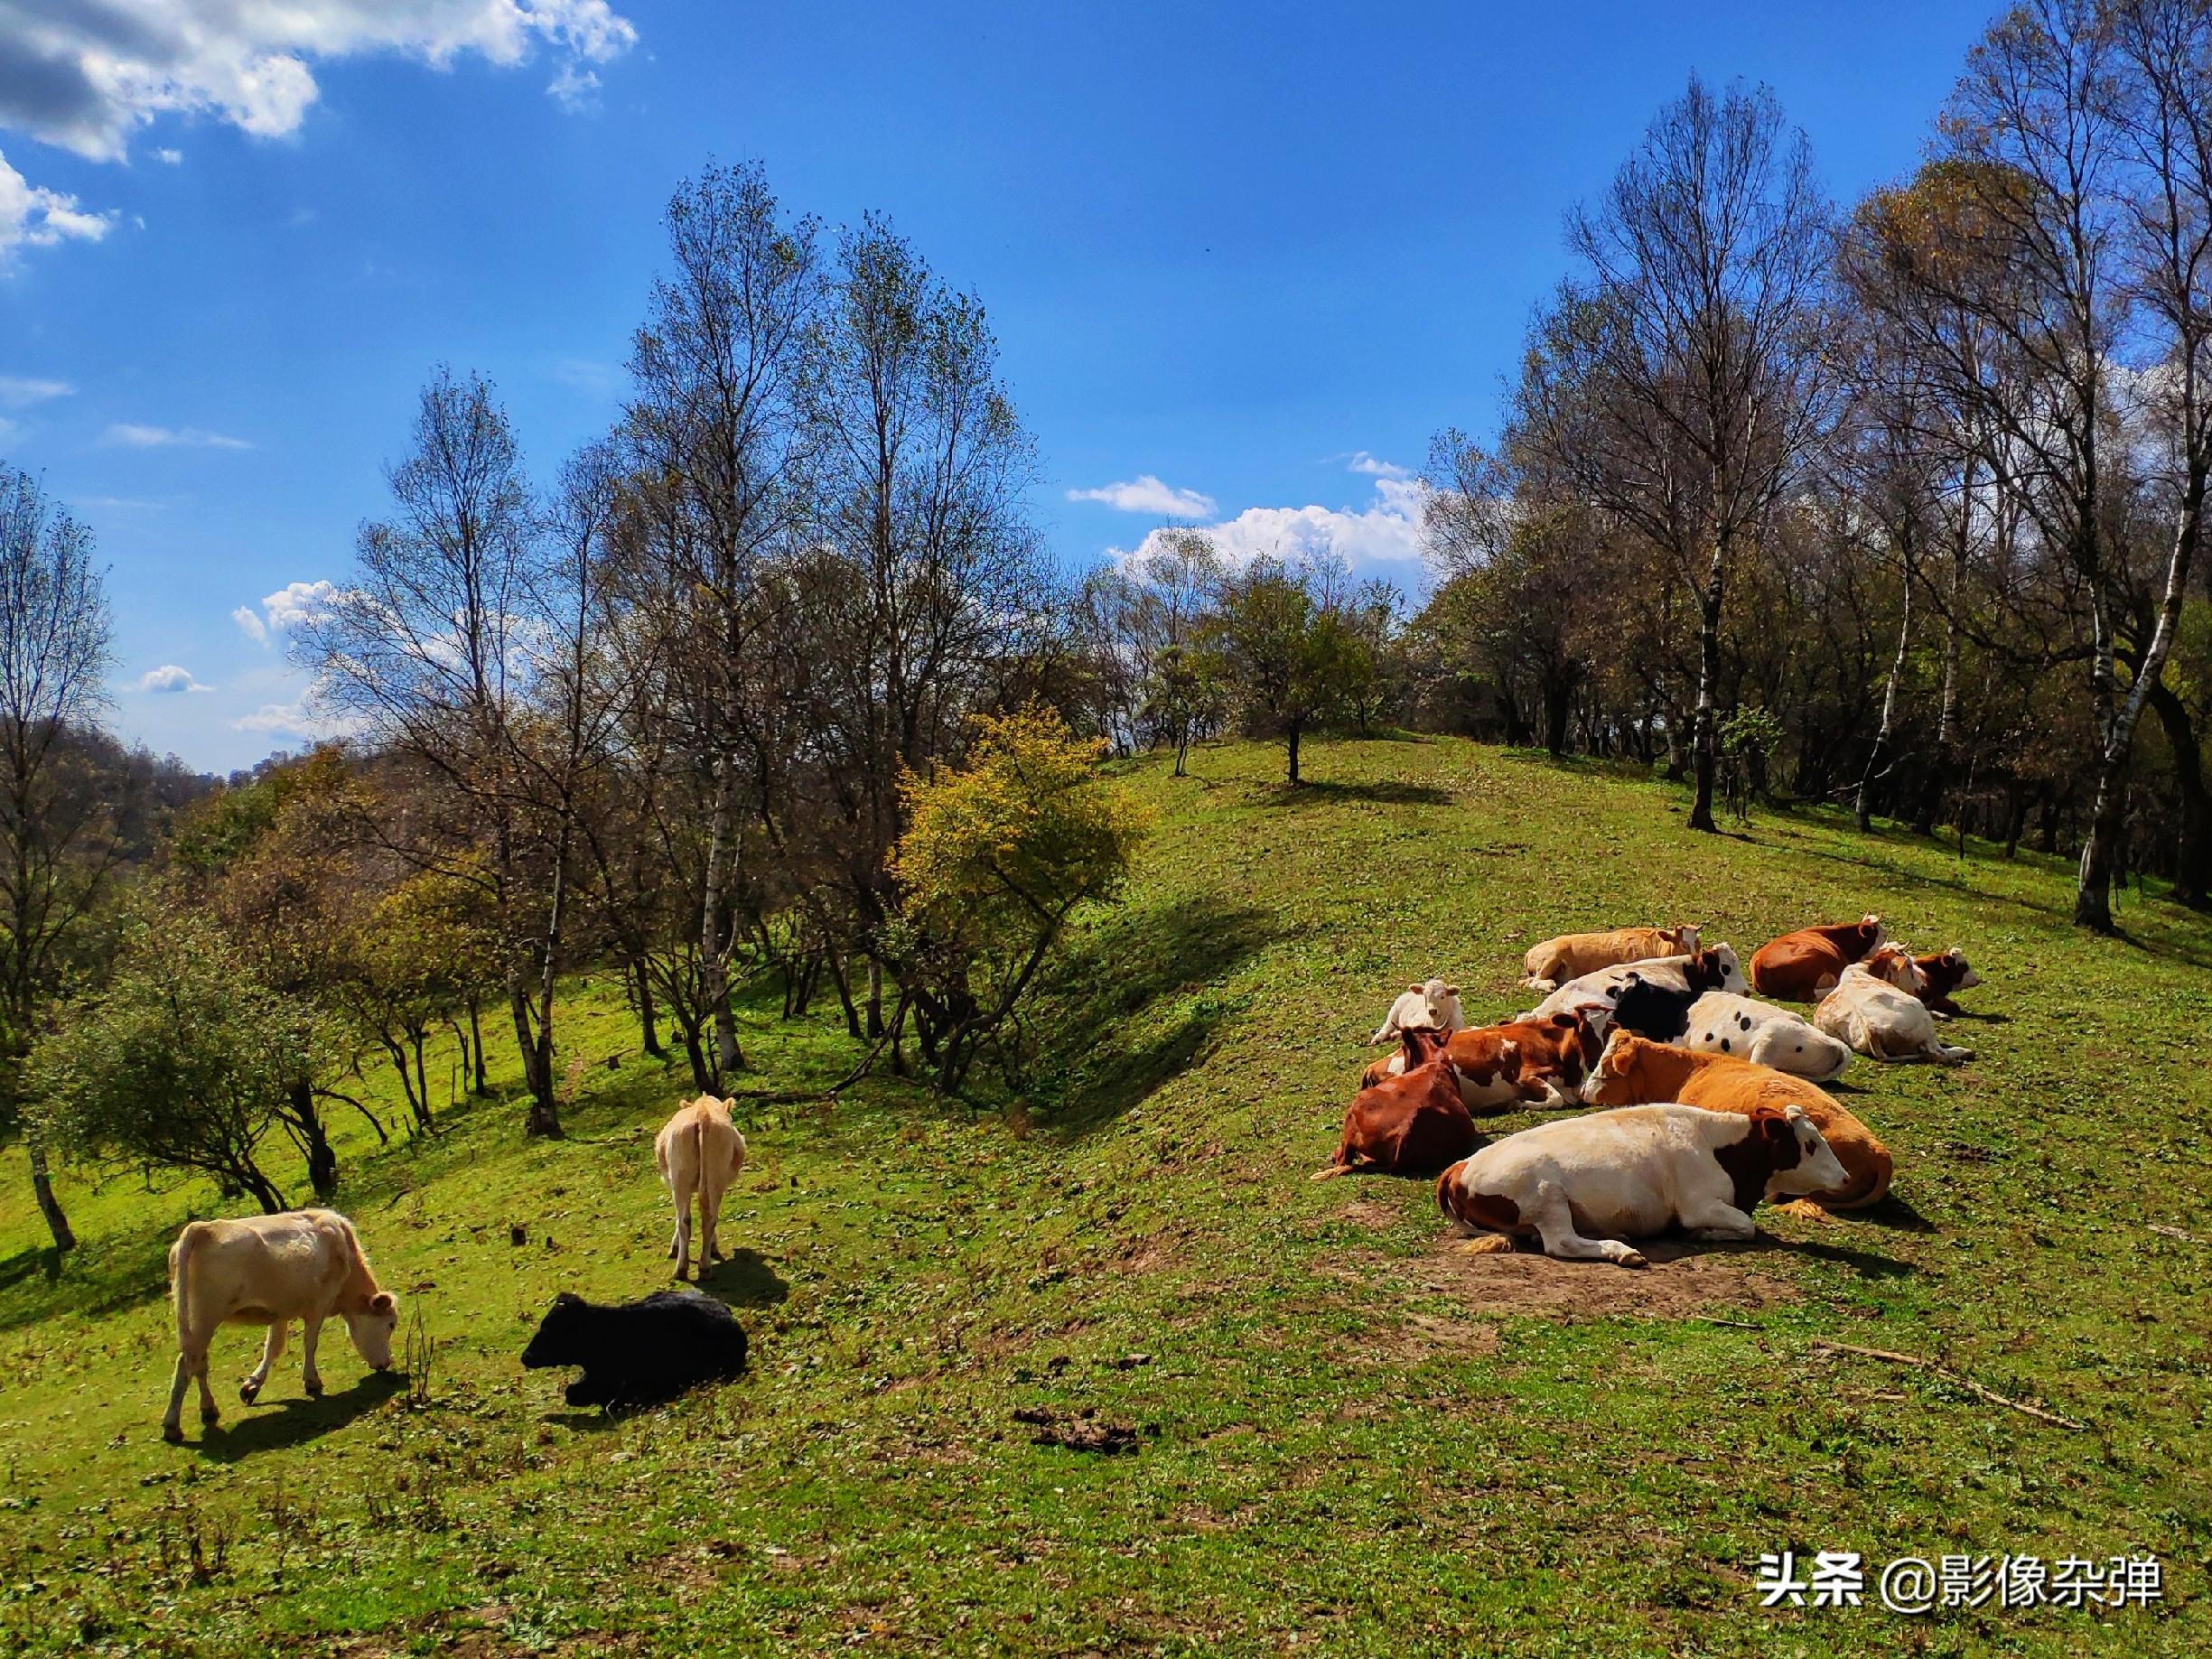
1635,1171
1721,1022
270,1270
1434,1004
1673,972
1881,1021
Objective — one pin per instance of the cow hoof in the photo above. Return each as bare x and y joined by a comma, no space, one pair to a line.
246,1391
172,1433
1488,1244
210,1415
315,1389
1632,1258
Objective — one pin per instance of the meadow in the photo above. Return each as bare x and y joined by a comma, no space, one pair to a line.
1332,1431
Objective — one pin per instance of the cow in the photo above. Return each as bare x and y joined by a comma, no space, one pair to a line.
271,1270
1805,966
639,1353
1433,1004
1716,969
1582,1185
1413,1123
1549,965
1724,1024
1882,1021
1634,1072
1942,973
1554,1054
699,1150
1897,965
1661,1011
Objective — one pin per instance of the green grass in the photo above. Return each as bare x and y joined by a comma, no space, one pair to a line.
1358,1447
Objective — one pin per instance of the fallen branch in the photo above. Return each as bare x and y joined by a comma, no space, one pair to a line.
2183,1233
1953,1378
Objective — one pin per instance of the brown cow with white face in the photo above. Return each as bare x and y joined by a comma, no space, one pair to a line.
1805,966
1582,1185
270,1270
1551,1057
1942,973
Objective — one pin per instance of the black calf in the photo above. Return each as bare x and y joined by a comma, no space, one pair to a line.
1660,1012
641,1352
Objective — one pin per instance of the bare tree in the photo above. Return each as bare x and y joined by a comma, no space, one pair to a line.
1681,382
58,841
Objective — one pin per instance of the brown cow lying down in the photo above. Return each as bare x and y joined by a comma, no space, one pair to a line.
1942,974
1414,1123
1555,1054
1881,1021
1554,962
1634,1172
1632,1072
1804,966
271,1270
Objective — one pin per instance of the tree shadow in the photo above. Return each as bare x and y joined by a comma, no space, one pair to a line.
585,1420
743,1279
1379,792
291,1423
24,1263
1136,1002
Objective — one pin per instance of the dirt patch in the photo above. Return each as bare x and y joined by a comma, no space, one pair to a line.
1683,1279
1419,1337
1367,1213
1082,1431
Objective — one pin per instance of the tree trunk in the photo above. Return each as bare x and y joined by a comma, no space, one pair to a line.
713,958
1865,810
2100,853
876,997
2192,882
1296,731
1708,675
321,1158
1558,704
476,1046
43,1185
649,1028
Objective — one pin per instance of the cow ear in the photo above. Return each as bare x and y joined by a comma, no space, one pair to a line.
1416,987
383,1302
1452,991
568,1299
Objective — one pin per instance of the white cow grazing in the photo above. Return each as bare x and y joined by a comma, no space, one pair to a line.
1434,1004
699,1150
270,1270
1717,964
1721,1022
1635,1171
1882,1021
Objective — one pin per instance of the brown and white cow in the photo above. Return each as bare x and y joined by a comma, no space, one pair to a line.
1714,969
1551,1055
1432,1003
1942,973
1883,1022
698,1150
1582,1185
1554,962
271,1270
1413,1123
1633,1072
1805,966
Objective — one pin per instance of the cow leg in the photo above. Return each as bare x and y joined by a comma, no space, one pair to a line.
1719,1223
187,1368
270,1349
710,1212
1944,1056
311,1327
1554,1224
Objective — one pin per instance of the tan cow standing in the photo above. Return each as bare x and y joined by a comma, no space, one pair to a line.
1554,962
699,1150
270,1270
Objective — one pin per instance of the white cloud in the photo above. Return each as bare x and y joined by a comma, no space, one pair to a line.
35,217
87,76
298,718
1380,540
170,158
20,391
169,677
575,89
1146,494
291,605
1374,466
133,436
8,429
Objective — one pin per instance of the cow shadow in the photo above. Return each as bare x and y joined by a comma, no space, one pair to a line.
1894,1212
1379,792
743,1279
293,1421
1866,1263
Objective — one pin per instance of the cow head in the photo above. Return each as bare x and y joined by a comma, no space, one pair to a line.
371,1326
562,1336
1893,964
1584,1027
1947,972
1716,970
1418,1045
1442,1003
1872,933
1803,1160
1684,939
1609,1083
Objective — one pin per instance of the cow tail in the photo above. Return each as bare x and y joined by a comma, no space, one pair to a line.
1446,1184
180,1254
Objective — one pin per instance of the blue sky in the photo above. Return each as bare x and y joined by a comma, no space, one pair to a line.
1243,260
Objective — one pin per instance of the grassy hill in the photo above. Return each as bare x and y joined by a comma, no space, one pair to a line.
1349,1437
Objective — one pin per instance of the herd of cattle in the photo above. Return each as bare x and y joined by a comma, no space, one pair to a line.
1711,1097
308,1265
1713,1104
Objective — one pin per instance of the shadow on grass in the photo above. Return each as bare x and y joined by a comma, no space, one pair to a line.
1891,1212
743,1279
1379,792
291,1423
1137,1002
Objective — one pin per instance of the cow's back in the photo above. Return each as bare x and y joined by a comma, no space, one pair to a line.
1725,1084
262,1267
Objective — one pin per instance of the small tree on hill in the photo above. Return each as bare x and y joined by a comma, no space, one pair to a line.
998,853
184,1063
1285,649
